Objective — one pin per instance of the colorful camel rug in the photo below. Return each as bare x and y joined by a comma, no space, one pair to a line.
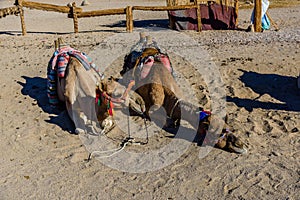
57,67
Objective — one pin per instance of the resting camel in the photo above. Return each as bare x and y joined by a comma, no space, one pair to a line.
86,95
160,91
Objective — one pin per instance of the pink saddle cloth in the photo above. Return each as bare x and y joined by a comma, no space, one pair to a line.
147,65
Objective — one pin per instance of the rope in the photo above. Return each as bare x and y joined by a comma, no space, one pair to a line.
114,100
177,102
124,143
147,135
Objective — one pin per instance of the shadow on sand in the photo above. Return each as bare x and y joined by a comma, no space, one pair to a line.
281,88
147,24
19,33
36,88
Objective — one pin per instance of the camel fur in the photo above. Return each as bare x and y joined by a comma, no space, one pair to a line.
160,92
84,99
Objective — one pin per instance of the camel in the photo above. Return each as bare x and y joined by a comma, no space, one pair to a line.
79,89
160,92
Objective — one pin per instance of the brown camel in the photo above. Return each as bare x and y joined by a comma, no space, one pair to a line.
79,89
160,92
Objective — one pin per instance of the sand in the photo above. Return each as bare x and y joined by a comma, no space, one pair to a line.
41,159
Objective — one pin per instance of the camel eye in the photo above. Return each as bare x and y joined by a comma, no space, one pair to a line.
231,138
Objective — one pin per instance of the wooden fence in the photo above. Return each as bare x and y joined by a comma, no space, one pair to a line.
14,10
75,12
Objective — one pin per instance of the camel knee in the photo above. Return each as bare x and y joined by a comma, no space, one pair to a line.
158,114
157,94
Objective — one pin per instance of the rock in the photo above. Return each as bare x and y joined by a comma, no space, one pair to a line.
85,3
294,130
275,153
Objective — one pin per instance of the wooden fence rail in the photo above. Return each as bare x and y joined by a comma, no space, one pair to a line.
163,8
97,13
14,10
76,12
48,7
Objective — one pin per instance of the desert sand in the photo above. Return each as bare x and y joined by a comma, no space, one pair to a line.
42,159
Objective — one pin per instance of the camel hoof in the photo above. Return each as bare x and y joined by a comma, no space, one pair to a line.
79,131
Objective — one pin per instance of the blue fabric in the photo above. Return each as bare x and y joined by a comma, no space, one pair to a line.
203,115
265,22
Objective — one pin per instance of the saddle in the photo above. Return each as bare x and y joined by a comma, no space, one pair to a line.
145,62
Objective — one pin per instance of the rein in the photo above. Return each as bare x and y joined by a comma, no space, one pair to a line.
107,100
114,100
173,108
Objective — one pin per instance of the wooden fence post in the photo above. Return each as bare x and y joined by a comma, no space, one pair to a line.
129,19
74,16
236,7
19,3
198,11
257,15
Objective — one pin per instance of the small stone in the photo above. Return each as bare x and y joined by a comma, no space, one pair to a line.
84,3
294,130
248,134
275,153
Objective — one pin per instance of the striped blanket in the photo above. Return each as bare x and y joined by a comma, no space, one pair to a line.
57,67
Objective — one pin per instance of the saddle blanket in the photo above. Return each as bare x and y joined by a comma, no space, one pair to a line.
57,67
147,63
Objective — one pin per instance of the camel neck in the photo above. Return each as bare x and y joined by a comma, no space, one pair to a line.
186,111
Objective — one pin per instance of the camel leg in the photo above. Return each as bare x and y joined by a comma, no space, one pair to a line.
157,113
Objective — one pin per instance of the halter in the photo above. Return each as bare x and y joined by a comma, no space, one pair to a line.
106,100
203,115
203,118
114,100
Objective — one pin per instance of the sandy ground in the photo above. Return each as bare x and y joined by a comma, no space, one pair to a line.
40,159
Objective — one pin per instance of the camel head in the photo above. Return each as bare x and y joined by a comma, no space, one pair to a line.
104,102
108,85
210,127
229,142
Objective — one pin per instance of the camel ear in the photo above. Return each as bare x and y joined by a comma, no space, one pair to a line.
226,119
200,109
102,86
